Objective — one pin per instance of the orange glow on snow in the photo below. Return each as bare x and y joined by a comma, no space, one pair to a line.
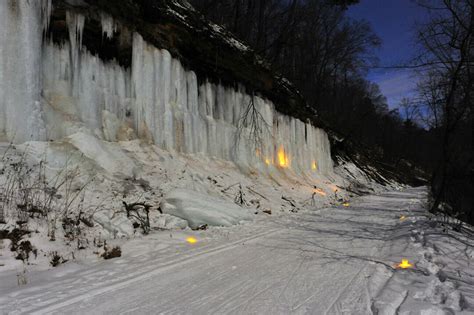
314,166
404,264
333,187
283,159
319,191
191,240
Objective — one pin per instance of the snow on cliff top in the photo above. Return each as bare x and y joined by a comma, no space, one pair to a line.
218,31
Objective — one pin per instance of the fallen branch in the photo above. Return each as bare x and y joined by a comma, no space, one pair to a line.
257,193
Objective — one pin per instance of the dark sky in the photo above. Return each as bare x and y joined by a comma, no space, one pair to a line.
393,21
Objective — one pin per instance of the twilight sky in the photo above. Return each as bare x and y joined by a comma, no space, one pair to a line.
393,21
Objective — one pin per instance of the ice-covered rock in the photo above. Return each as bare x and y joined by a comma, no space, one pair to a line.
169,222
117,225
199,209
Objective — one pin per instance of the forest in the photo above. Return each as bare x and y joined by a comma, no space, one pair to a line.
326,54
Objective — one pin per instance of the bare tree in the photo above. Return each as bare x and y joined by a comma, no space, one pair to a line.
253,126
447,57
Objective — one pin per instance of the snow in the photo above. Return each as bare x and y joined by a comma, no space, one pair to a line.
216,31
103,154
337,260
107,173
229,38
360,180
201,209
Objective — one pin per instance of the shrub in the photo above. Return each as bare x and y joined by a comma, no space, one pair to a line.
56,259
113,253
140,212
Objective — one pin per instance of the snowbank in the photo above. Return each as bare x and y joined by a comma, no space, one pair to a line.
169,222
199,209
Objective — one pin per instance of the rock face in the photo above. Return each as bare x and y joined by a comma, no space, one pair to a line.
153,70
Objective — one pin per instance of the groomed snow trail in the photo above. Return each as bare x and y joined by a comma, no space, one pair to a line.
331,261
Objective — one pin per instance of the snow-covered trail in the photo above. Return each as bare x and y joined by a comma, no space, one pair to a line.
332,261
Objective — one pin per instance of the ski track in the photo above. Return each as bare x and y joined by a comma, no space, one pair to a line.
138,277
314,263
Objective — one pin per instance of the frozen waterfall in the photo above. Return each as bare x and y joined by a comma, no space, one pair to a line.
49,91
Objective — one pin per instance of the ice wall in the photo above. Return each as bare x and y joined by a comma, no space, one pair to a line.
21,26
60,90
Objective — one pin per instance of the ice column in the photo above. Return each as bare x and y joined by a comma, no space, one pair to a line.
21,28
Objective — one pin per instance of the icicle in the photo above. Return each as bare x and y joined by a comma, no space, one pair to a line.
75,23
46,9
108,25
